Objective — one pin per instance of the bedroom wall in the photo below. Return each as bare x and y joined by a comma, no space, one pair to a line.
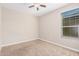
51,28
0,28
18,27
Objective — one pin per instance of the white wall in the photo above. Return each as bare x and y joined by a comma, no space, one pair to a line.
18,27
50,28
0,28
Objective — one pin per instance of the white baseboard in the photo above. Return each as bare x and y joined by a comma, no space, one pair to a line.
14,43
73,49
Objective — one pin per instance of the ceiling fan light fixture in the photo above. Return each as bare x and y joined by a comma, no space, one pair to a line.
37,5
37,8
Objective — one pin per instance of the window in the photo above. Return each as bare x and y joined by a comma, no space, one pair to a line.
70,31
71,23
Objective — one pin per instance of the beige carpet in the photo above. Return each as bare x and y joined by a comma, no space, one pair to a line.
37,48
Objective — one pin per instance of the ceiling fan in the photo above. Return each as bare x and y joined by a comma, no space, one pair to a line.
36,5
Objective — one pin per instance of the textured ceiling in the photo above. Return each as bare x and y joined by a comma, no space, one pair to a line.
23,7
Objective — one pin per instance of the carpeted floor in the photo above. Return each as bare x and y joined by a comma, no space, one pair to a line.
36,48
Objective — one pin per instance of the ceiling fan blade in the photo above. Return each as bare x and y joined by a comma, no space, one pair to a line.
31,6
43,5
